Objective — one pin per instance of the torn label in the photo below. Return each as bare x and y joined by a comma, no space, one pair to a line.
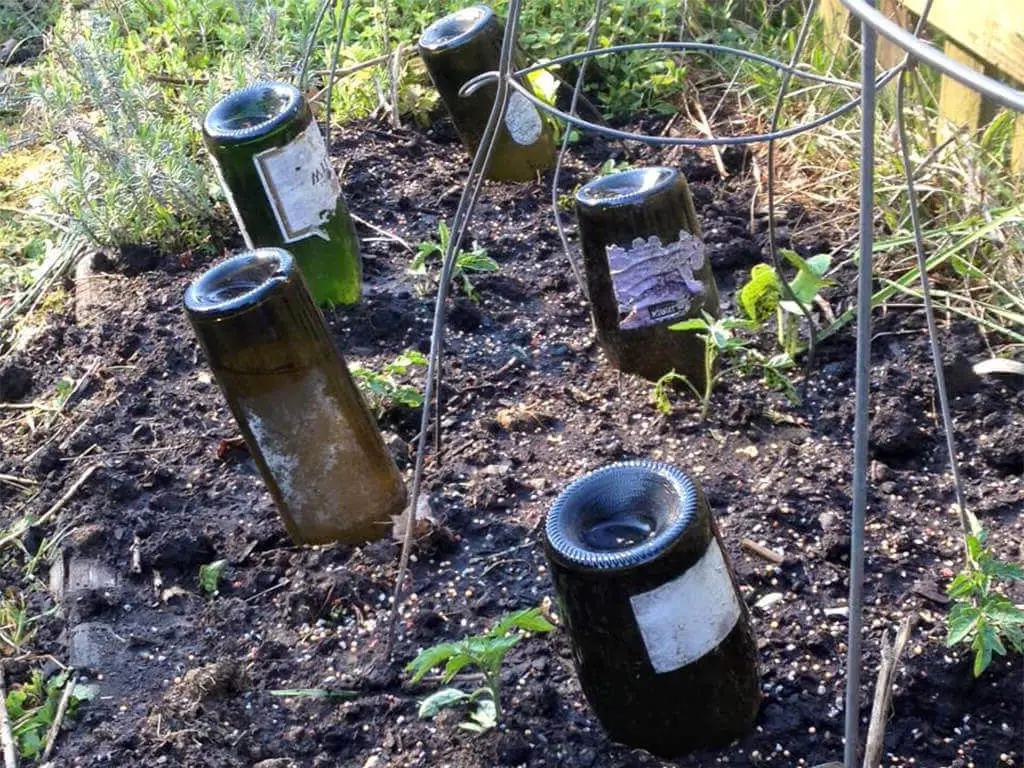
655,283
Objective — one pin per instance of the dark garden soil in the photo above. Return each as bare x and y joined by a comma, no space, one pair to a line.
186,679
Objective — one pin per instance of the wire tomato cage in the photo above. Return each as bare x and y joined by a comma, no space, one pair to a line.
507,80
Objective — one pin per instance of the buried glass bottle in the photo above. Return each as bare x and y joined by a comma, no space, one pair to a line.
305,423
646,269
660,636
457,48
276,174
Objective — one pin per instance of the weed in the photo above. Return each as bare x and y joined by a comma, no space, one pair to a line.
32,707
981,616
382,391
725,352
475,260
16,624
486,652
762,296
210,575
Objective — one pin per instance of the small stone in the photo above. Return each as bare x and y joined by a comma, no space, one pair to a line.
768,601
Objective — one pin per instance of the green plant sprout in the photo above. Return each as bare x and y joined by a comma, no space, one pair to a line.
32,707
210,576
762,296
381,390
981,616
486,652
723,345
475,260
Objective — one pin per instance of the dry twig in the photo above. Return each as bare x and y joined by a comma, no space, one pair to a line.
58,505
58,718
883,692
764,553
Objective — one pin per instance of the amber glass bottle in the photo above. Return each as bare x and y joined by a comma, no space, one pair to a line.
456,49
661,638
646,269
274,169
303,419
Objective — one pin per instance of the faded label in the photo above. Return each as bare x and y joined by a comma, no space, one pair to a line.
522,120
300,183
684,619
655,283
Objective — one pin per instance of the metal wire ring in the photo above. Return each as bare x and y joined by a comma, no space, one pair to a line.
918,49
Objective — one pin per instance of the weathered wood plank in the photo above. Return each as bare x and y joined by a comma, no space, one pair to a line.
1017,152
992,31
961,105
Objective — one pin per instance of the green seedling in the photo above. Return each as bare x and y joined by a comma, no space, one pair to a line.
210,575
763,296
982,617
721,344
485,652
725,352
32,707
466,262
16,624
382,391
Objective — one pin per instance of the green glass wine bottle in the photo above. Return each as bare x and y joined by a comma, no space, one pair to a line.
660,636
646,269
457,48
275,172
305,423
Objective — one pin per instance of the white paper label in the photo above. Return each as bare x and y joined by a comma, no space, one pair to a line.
522,120
683,619
300,183
655,283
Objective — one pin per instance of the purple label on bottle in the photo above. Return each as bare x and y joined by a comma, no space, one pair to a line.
655,283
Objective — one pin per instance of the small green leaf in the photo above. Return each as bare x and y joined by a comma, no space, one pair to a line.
529,619
209,575
1000,570
435,702
430,658
693,324
483,718
1002,610
961,621
760,295
455,663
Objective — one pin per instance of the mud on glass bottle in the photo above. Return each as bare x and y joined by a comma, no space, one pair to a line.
457,48
274,169
305,423
646,269
660,636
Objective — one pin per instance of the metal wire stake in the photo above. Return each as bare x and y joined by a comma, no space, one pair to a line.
929,312
773,248
467,202
580,77
333,71
860,430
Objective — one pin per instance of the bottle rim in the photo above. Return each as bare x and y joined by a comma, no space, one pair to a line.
669,493
456,28
217,123
626,187
239,282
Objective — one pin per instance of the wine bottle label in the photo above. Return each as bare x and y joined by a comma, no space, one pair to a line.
522,120
656,283
684,619
300,184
